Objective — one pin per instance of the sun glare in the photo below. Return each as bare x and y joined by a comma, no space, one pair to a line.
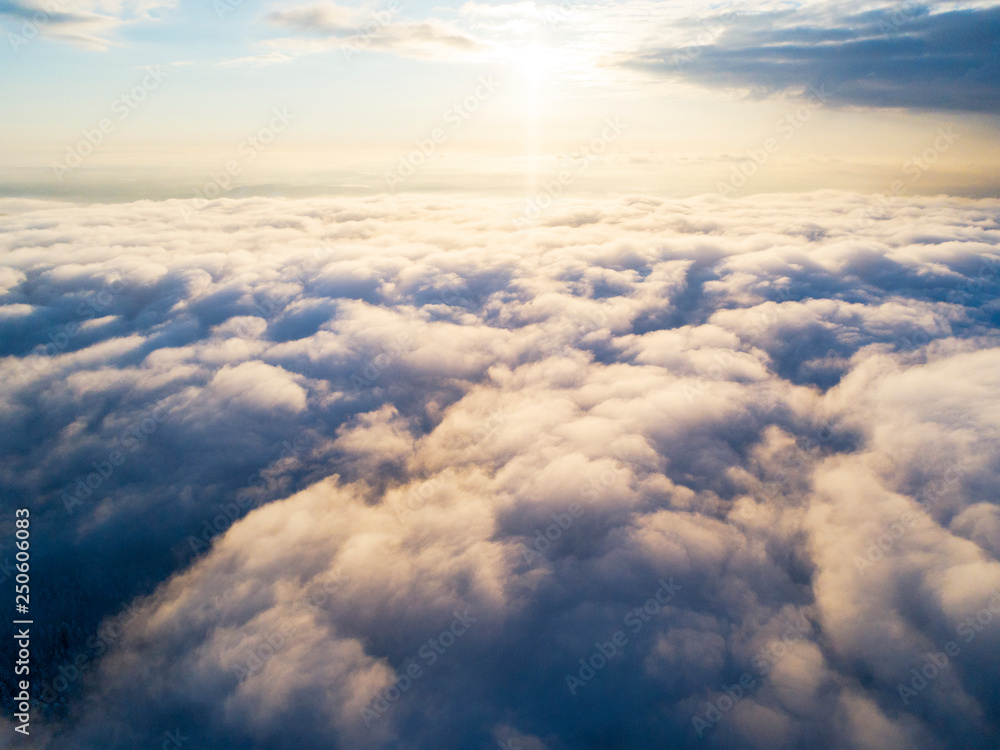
536,65
534,62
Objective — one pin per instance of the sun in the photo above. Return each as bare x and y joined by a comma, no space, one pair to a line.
535,62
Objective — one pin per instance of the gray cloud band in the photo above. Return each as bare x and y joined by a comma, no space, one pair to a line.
883,58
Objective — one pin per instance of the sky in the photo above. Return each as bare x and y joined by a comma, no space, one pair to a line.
853,93
500,376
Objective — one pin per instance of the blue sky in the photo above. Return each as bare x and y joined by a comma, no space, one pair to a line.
699,85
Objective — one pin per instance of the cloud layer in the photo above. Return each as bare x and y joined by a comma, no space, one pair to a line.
391,473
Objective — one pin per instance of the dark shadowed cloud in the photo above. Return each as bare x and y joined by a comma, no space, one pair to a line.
906,56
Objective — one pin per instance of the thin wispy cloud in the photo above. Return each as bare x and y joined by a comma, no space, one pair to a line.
89,25
323,18
332,27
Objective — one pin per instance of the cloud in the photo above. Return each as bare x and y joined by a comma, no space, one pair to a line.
911,56
326,26
384,471
87,30
320,18
426,38
90,25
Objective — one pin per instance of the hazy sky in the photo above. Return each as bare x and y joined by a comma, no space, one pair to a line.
500,94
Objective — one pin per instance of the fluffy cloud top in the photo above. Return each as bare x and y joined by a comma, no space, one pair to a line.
388,472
